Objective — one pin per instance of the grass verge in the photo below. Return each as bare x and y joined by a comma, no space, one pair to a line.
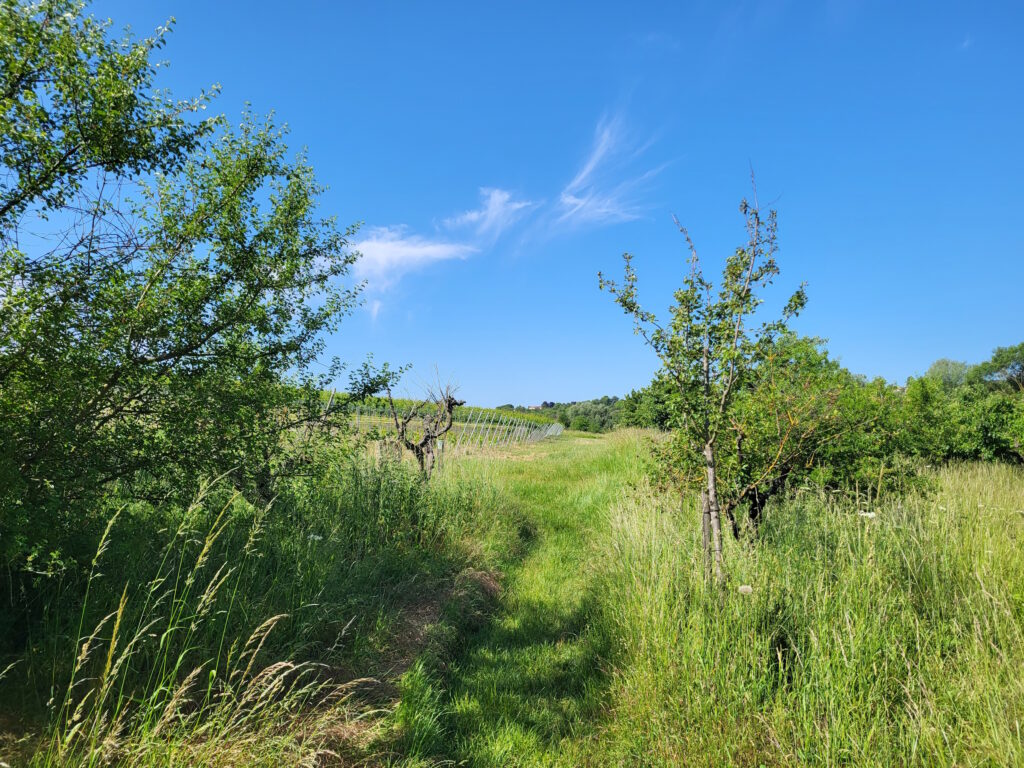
889,636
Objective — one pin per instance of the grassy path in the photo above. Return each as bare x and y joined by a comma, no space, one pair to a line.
525,689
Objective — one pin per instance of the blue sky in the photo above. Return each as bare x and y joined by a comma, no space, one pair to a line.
501,156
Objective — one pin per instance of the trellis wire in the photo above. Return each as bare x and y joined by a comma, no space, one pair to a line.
472,427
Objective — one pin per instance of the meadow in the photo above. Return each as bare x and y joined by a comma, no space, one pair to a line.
546,607
881,635
885,635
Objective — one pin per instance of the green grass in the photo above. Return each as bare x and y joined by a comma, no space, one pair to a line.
225,632
527,688
539,606
892,639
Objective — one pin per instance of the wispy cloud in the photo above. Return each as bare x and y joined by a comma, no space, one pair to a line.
606,188
388,253
497,212
967,43
375,307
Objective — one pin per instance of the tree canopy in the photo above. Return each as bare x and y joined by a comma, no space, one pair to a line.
1006,366
166,279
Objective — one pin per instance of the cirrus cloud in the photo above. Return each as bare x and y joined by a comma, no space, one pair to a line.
607,188
497,212
388,253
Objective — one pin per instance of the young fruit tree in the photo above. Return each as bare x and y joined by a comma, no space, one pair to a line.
709,350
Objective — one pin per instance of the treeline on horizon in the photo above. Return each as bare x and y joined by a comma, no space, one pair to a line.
955,411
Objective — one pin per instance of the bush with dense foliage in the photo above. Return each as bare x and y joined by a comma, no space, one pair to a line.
814,423
166,282
647,407
597,415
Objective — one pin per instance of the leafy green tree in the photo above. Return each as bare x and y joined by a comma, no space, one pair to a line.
931,416
1016,429
1005,367
949,373
166,283
647,407
76,102
709,348
993,415
598,415
582,424
593,415
956,412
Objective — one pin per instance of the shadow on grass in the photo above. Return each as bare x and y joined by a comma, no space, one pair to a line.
528,679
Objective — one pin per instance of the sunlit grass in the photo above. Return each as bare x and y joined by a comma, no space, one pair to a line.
886,640
527,685
582,633
238,638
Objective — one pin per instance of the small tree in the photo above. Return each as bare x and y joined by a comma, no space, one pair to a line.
436,415
708,349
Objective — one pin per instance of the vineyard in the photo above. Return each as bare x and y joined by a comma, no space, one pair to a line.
472,428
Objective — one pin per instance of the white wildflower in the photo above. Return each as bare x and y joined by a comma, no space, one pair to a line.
868,515
746,589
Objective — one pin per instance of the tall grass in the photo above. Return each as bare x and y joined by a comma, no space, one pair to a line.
231,638
889,636
228,634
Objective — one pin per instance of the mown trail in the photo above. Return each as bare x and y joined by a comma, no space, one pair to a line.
528,688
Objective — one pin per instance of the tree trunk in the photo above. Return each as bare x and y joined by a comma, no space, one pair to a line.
715,513
705,520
